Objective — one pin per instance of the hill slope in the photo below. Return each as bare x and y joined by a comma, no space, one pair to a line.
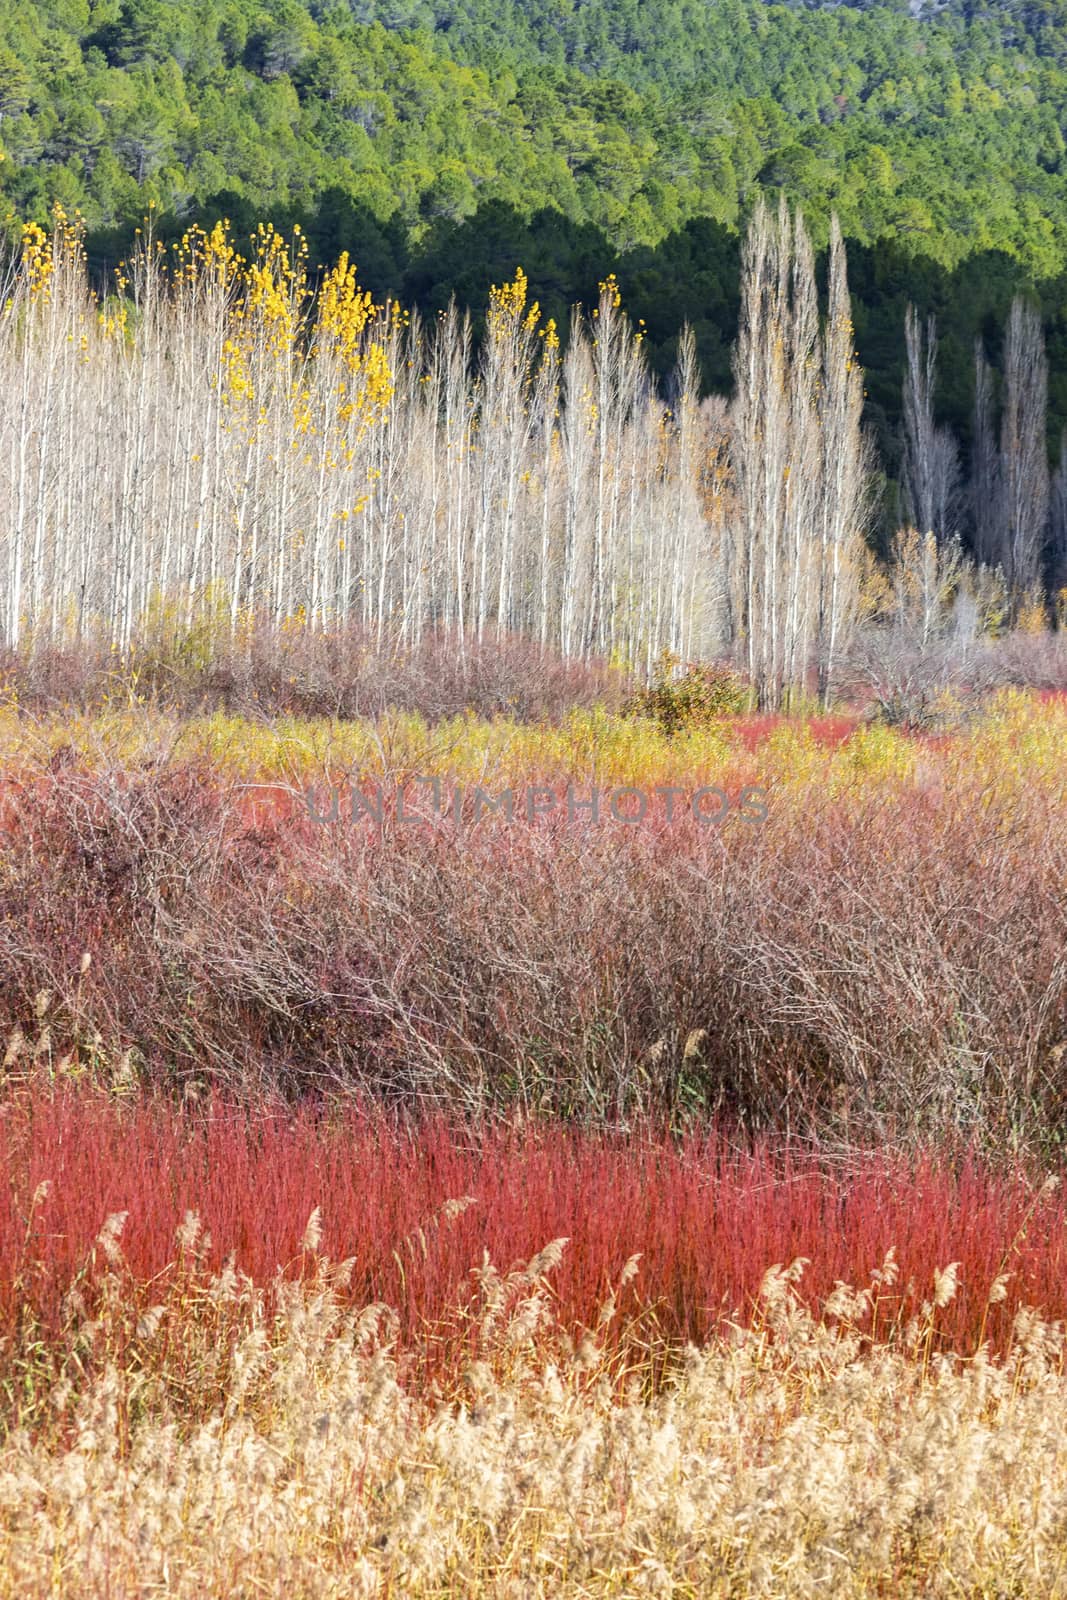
945,133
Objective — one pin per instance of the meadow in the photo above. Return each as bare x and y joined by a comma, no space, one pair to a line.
552,1206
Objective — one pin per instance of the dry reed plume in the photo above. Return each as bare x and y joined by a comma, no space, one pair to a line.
256,1443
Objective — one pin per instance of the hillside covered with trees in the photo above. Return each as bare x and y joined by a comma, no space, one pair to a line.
944,132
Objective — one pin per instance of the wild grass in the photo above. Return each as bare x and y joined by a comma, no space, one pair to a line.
707,1211
207,1429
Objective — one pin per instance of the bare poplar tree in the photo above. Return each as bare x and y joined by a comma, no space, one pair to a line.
931,461
1024,477
985,466
947,487
800,461
719,508
762,445
845,475
919,420
804,480
693,544
578,451
1058,520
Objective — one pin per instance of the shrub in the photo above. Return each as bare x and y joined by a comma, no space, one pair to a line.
345,672
702,693
707,1211
884,949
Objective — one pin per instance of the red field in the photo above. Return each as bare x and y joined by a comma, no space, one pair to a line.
707,1217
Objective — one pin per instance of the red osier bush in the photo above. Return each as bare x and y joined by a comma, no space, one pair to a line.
707,1216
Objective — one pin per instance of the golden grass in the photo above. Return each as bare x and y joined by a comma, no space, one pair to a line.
1018,739
269,1445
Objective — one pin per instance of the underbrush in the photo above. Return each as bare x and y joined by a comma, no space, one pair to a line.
270,670
876,948
561,1205
412,1204
693,697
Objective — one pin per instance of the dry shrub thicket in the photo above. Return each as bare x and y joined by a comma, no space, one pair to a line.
887,944
882,956
274,671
